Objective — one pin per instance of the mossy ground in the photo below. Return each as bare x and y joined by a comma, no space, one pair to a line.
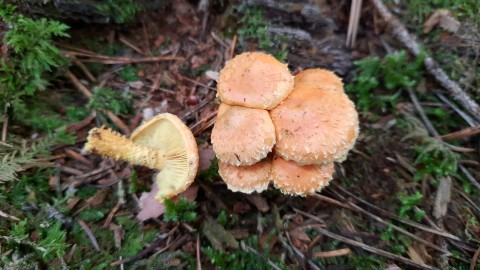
78,211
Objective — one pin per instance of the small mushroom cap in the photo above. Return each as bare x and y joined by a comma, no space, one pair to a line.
246,179
318,77
294,179
167,133
254,80
242,136
315,126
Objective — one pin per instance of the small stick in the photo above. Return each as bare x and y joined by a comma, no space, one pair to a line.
331,201
71,170
469,176
463,114
5,215
199,263
141,254
373,249
125,41
395,227
90,235
299,253
333,253
466,132
145,36
85,70
408,222
401,33
198,107
80,87
475,259
109,218
5,128
433,132
219,40
248,248
309,215
203,128
198,83
206,118
123,60
74,155
75,49
355,12
147,250
84,90
232,47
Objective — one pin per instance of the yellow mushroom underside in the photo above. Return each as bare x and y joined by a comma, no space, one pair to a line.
168,134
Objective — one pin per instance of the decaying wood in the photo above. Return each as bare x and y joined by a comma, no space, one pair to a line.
401,33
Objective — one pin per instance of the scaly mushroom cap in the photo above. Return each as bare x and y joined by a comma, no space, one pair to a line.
246,179
314,125
242,136
318,77
254,80
294,179
167,133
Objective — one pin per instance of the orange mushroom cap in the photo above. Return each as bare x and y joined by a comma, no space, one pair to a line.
242,136
314,125
254,80
246,179
294,179
318,77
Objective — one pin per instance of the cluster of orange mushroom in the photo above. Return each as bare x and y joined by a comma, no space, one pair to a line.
275,127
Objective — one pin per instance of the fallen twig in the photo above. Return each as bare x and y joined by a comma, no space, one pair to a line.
124,60
373,249
466,132
5,128
109,218
84,90
355,12
333,253
299,253
401,33
394,227
408,222
5,215
199,262
434,133
90,235
147,250
452,105
248,248
475,258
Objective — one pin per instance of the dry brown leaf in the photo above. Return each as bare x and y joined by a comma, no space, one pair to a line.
443,18
414,255
419,253
299,234
206,155
260,203
151,208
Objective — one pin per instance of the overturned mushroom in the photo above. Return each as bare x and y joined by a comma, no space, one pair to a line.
163,143
242,136
254,80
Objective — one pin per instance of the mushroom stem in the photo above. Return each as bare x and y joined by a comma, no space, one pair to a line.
111,144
